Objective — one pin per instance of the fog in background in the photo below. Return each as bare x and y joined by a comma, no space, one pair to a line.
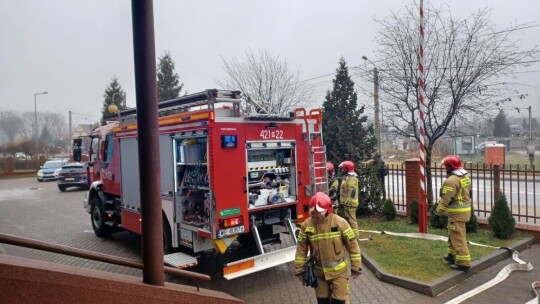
73,48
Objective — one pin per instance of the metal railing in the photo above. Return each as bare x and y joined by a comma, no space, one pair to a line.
518,183
96,256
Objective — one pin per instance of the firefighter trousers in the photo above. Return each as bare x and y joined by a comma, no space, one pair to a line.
337,288
349,214
457,243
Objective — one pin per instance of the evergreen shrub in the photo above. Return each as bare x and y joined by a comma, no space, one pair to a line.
389,210
472,224
501,222
437,221
413,214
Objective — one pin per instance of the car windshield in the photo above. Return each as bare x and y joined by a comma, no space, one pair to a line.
53,164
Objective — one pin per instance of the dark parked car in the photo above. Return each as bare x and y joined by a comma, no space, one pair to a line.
72,175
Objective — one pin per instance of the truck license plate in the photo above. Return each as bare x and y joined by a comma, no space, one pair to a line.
230,231
69,178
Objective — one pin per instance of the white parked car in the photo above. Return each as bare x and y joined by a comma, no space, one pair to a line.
50,170
482,146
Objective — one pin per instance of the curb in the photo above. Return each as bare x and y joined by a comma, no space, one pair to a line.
448,281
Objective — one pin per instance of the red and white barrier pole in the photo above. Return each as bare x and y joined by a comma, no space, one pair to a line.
422,205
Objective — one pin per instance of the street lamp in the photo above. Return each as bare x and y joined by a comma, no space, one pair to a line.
35,116
530,143
376,104
122,97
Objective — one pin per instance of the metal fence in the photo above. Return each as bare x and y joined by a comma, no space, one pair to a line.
517,182
18,166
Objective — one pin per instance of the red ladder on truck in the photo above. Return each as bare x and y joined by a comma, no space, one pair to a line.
317,153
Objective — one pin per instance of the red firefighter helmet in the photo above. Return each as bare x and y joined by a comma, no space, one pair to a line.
347,166
320,202
330,167
452,162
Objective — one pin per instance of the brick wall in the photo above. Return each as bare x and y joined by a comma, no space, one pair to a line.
412,182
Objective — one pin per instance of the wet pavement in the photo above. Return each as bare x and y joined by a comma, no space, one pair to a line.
40,211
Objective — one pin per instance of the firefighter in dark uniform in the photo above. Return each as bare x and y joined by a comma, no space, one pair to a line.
455,202
333,184
348,195
329,237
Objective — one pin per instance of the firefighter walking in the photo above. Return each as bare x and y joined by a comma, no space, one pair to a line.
455,203
348,195
328,237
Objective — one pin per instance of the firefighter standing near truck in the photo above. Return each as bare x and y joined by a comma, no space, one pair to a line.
348,195
328,237
455,202
333,184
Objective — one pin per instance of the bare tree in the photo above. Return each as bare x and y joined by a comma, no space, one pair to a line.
55,123
10,125
465,62
268,80
28,126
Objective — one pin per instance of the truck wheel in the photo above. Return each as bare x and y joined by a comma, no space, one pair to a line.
61,188
97,216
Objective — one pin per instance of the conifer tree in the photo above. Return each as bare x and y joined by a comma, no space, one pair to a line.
113,94
502,127
346,133
168,81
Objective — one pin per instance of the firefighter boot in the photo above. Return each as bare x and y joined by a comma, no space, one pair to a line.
323,300
450,259
460,268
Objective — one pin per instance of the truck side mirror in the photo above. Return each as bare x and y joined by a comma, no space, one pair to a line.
77,152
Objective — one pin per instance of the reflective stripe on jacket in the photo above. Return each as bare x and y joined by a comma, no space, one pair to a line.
348,192
327,241
455,201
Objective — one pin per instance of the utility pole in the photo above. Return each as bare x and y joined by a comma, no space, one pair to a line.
69,133
376,105
35,117
377,122
530,123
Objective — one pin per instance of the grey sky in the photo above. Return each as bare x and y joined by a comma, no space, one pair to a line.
72,48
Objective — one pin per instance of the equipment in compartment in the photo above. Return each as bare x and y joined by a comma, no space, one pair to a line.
269,191
195,177
193,181
192,150
196,208
269,171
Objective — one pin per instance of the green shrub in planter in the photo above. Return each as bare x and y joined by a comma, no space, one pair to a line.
413,214
437,221
472,224
501,222
389,210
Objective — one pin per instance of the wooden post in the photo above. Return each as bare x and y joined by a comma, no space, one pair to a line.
496,182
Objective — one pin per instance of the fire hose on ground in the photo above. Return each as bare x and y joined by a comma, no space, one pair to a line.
520,265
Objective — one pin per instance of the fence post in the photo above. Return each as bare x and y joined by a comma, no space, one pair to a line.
412,183
496,181
10,166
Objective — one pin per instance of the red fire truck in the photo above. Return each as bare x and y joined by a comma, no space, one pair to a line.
226,177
